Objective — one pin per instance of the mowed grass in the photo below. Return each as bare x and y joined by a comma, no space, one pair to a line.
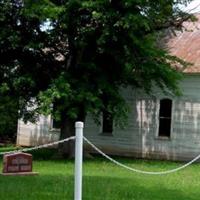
103,180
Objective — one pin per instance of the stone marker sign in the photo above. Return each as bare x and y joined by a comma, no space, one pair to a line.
17,163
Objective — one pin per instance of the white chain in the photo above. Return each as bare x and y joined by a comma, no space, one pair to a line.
106,156
141,171
38,147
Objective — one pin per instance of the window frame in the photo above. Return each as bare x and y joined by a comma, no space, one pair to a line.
105,133
51,128
157,136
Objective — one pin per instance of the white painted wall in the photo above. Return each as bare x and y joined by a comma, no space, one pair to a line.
35,134
140,137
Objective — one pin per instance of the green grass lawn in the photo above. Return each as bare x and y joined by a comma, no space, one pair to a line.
103,180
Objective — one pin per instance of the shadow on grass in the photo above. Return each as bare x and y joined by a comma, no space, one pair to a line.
60,187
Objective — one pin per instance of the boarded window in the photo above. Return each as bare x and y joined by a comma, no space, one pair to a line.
107,122
165,117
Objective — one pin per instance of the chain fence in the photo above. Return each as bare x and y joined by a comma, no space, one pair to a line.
106,156
138,170
39,146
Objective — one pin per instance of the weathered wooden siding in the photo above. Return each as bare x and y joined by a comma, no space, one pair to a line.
140,137
34,134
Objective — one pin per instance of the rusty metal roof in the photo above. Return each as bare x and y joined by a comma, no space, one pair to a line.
186,45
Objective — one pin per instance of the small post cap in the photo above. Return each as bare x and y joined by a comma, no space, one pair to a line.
79,124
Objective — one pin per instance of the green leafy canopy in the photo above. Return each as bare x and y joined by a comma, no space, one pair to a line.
78,54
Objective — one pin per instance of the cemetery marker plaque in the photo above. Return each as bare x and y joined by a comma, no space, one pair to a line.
17,164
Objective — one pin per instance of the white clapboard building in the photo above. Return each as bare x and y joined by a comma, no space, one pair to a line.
160,127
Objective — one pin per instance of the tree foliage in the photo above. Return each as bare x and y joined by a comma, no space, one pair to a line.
78,54
8,116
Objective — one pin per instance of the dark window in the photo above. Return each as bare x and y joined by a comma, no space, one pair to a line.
107,122
56,123
165,117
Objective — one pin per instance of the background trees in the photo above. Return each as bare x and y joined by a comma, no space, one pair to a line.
78,54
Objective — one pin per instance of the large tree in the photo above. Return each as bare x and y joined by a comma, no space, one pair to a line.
77,54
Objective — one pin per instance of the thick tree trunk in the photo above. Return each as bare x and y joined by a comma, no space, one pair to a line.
67,149
67,130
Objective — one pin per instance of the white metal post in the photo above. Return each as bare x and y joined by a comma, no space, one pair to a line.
78,161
